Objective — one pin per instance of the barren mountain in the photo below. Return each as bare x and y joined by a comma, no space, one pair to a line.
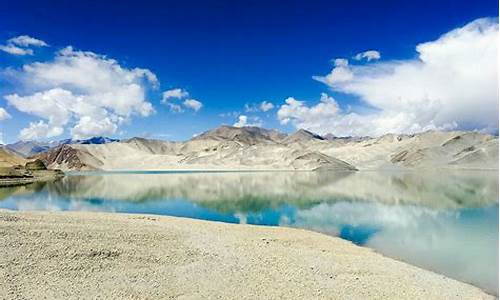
9,158
431,149
253,148
30,148
302,136
16,170
245,135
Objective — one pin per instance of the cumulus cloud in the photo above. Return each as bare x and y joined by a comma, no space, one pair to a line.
89,93
38,130
309,117
193,104
20,45
368,55
87,126
244,121
452,84
170,96
341,72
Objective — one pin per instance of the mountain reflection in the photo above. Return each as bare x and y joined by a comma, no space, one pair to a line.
442,221
254,191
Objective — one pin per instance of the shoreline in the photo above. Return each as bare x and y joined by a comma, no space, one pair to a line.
36,176
256,170
135,255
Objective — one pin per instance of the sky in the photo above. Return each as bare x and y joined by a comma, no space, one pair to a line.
173,69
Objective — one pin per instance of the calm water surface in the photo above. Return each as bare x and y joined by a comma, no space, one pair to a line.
444,221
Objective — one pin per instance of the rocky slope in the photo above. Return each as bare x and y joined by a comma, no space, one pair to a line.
16,170
244,135
9,158
302,136
29,148
253,148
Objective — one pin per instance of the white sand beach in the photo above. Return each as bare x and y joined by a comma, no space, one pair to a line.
74,255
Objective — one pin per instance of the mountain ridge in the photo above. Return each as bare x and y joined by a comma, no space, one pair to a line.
255,148
31,147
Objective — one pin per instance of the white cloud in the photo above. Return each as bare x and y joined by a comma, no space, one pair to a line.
176,108
193,104
327,117
90,92
311,118
263,106
4,115
26,41
174,94
243,121
266,106
54,105
87,126
38,130
452,84
19,45
340,62
341,72
368,55
12,49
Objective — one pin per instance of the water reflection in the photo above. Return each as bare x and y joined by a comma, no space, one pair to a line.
462,243
446,222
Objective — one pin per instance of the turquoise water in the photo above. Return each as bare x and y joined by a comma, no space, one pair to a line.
443,221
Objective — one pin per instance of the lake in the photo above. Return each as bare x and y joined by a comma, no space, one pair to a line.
442,221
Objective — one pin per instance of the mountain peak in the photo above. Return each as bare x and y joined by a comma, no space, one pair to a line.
249,135
302,135
329,137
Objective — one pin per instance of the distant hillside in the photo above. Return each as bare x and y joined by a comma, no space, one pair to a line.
90,141
9,158
302,136
30,148
253,148
245,135
16,170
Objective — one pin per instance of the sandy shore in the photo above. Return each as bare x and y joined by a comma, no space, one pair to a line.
75,255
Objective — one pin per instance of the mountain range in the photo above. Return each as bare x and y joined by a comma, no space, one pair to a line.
254,148
30,148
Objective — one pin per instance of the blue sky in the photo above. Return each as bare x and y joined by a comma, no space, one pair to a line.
226,54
